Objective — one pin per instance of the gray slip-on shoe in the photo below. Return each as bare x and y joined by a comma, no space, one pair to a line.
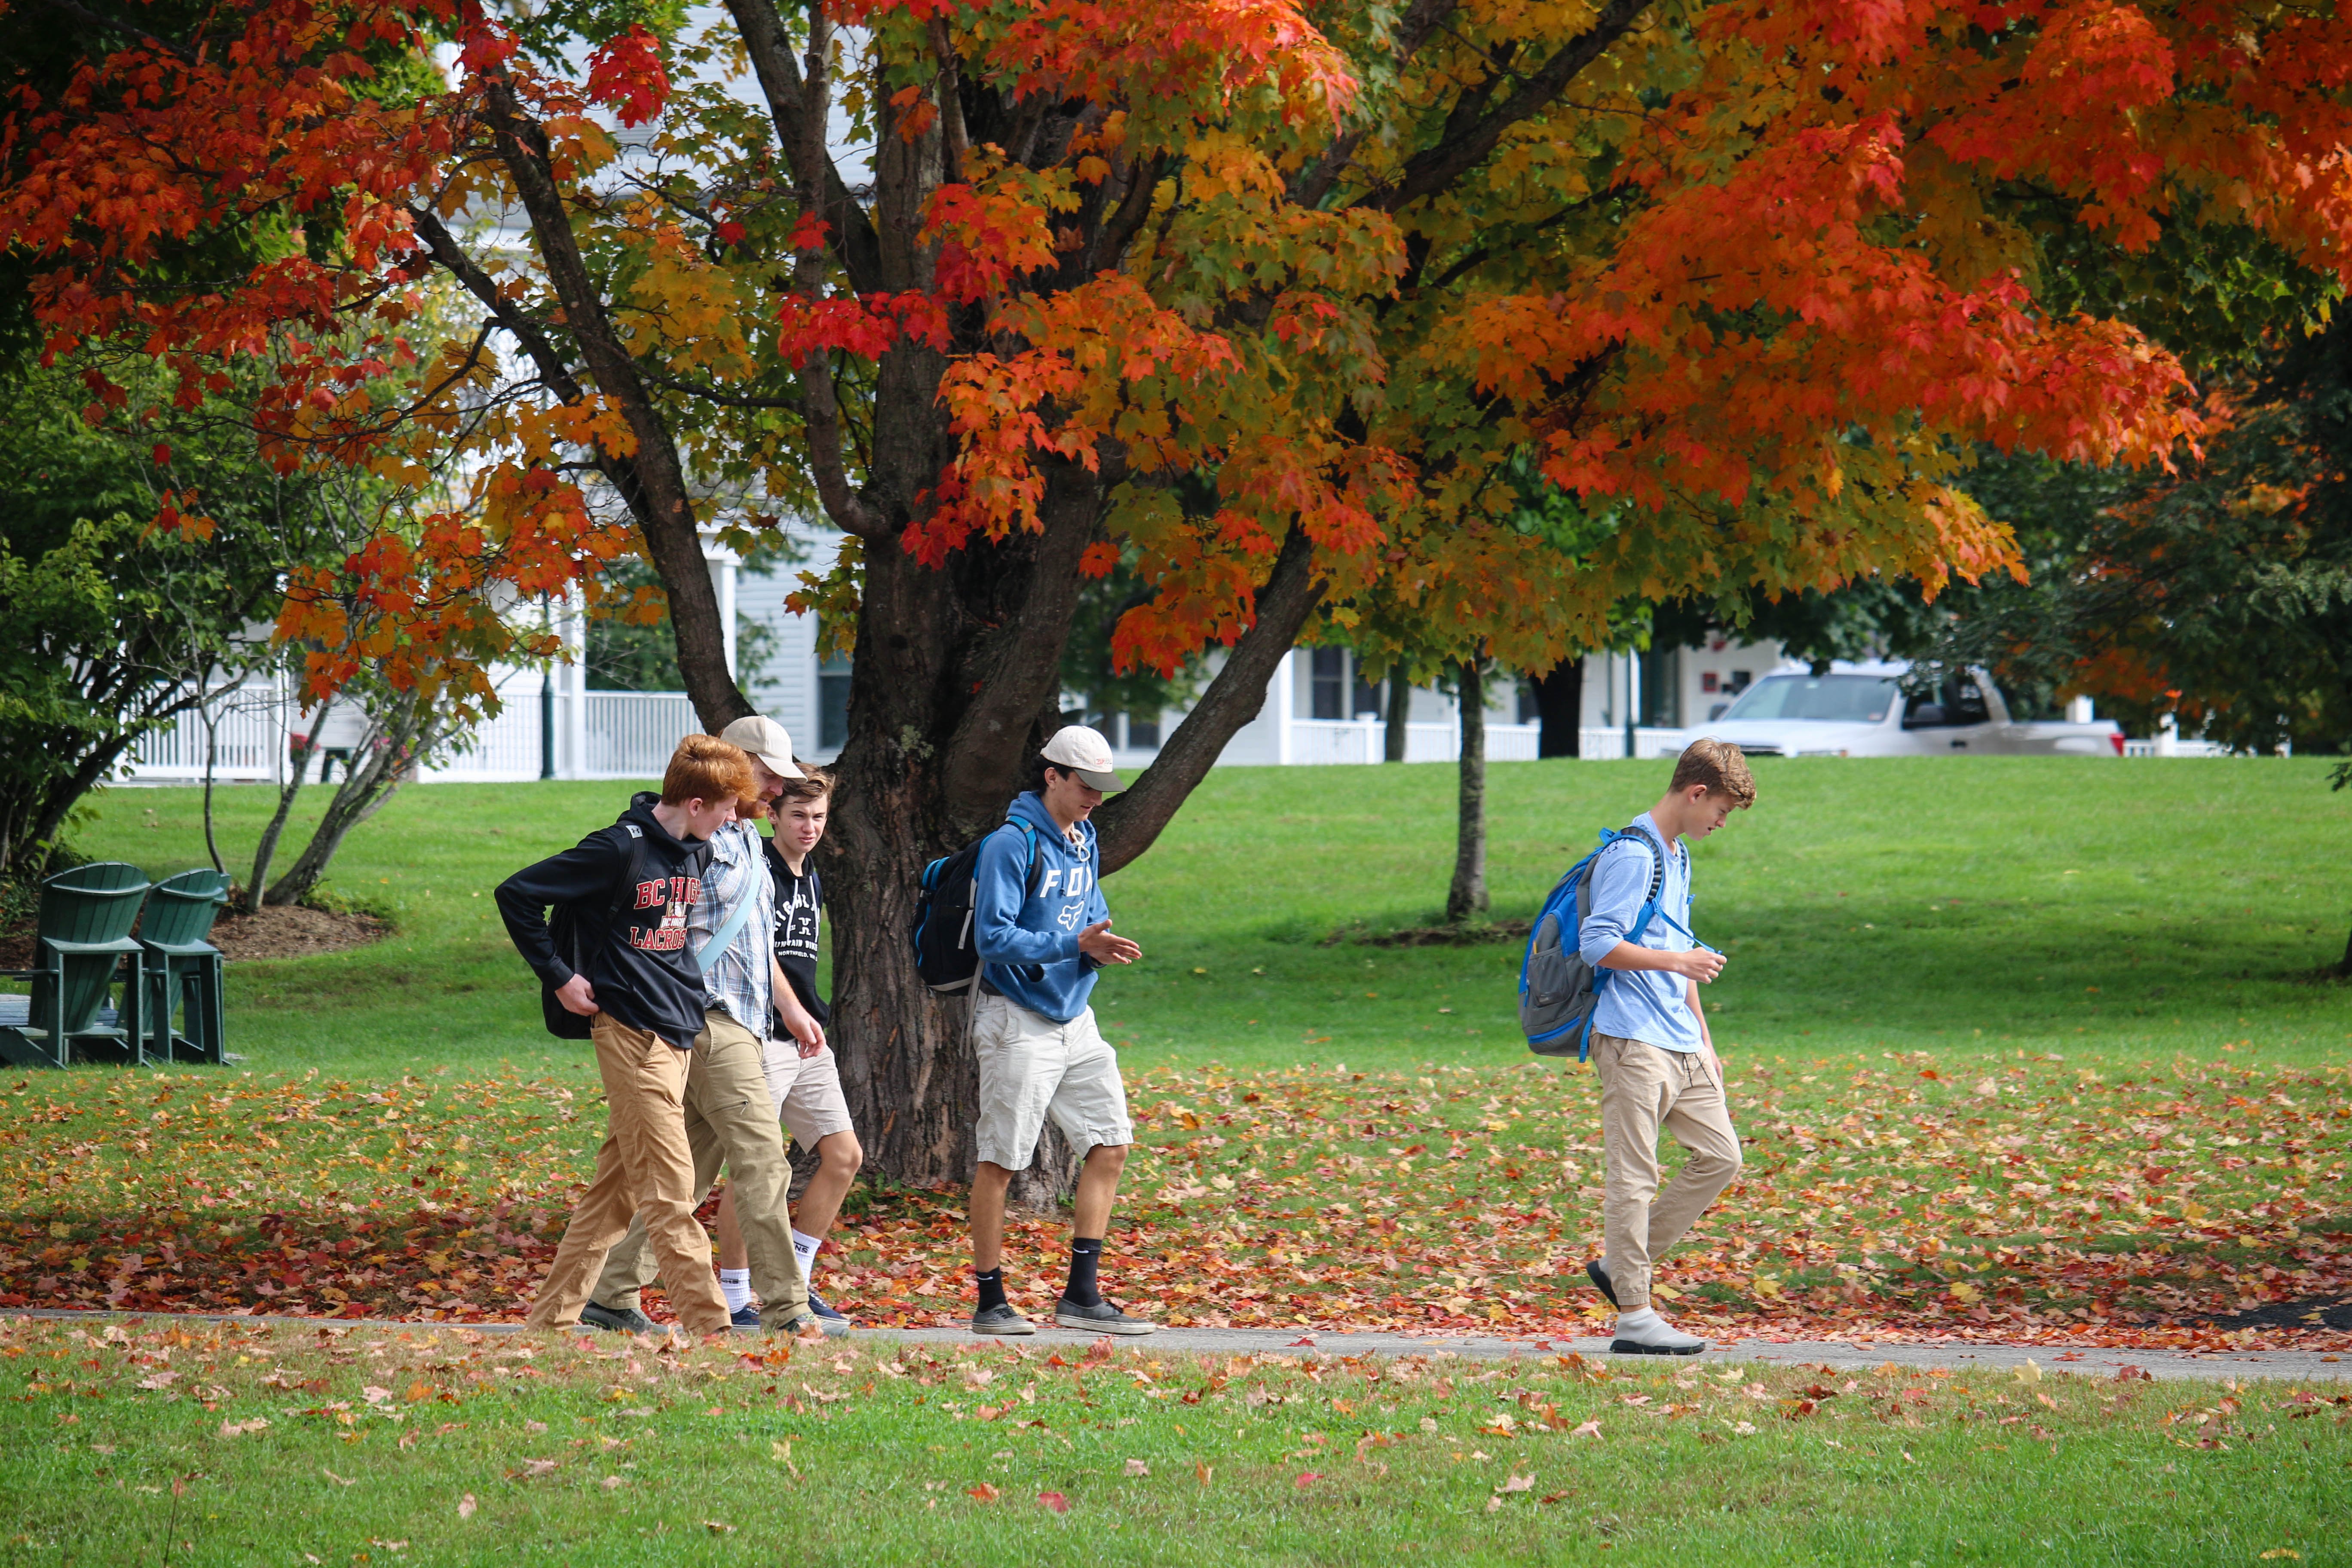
1001,1319
1102,1319
619,1319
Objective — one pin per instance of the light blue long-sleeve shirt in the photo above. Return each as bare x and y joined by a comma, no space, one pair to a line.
1645,1004
1028,943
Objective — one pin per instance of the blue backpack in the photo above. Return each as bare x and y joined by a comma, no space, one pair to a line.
1559,991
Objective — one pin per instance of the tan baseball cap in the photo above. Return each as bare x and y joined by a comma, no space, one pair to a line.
1086,753
766,739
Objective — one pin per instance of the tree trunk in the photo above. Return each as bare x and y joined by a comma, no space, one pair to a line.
298,766
931,764
212,758
1560,707
1468,895
408,733
1393,749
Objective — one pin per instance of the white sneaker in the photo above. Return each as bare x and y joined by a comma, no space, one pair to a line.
1646,1333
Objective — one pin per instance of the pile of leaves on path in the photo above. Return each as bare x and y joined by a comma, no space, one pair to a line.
2185,1205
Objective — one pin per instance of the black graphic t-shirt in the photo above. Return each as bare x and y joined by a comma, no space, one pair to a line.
800,909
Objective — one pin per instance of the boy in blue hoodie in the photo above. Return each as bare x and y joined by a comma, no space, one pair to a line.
1042,929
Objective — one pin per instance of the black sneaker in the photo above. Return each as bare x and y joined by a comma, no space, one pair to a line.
818,1305
746,1317
1102,1318
620,1319
1599,1278
1001,1319
832,1328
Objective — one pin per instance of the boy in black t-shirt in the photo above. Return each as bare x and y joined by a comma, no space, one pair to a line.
803,1079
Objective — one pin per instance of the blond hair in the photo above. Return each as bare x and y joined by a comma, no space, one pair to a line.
706,768
1720,765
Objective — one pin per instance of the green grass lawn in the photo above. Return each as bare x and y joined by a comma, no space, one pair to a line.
2113,911
240,1445
2029,1049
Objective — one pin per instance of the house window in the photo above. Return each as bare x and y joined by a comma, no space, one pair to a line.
1143,731
1367,697
1327,675
832,703
1530,705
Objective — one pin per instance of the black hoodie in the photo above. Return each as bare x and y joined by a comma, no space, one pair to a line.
638,965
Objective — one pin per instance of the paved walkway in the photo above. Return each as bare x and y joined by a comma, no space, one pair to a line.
2287,1365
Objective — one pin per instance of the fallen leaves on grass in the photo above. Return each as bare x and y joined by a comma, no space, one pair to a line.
2063,1208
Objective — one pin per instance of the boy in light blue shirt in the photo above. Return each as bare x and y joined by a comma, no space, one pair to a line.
1651,1047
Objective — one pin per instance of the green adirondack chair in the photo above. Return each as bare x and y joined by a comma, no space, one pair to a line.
81,939
183,968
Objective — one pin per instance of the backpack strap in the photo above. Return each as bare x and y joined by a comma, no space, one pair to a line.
624,893
1602,977
1657,880
711,952
1036,855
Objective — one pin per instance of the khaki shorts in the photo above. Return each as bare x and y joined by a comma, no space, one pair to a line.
1032,1067
806,1092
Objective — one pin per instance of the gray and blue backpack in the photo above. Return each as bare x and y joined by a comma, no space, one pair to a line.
1559,991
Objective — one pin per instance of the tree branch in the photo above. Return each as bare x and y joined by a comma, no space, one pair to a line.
1413,30
800,130
653,479
1127,823
1127,220
445,249
1472,130
820,400
1017,667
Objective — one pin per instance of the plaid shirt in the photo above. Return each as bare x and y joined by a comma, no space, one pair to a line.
738,982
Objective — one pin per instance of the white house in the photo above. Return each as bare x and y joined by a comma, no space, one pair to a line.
1319,710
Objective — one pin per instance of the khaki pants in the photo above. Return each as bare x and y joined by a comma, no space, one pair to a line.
729,1119
645,1175
1643,1089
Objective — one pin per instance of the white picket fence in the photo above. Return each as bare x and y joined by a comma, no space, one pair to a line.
632,733
248,742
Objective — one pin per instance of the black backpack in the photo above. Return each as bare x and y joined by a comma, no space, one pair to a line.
944,954
563,929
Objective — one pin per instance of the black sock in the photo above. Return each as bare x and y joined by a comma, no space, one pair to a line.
992,1288
1085,1254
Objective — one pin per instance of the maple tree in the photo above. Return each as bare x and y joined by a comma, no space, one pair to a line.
1264,300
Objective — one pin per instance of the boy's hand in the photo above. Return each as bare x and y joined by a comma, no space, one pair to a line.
805,1031
1096,942
1698,964
578,996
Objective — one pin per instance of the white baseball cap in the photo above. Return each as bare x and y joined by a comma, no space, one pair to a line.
766,739
1085,752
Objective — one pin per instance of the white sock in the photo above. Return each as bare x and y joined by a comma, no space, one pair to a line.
735,1284
1646,1318
806,1246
